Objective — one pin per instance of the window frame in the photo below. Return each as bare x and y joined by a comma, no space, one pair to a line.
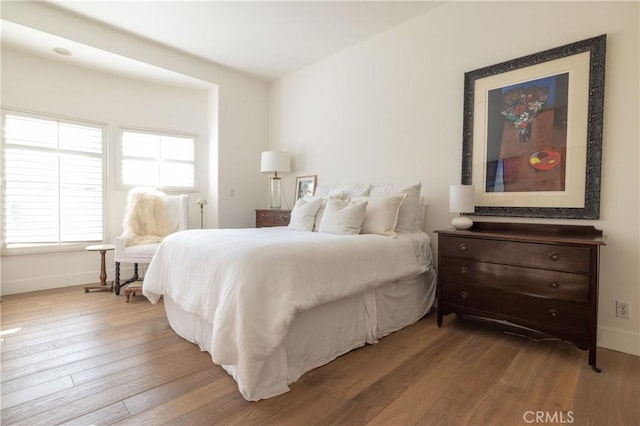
172,133
35,248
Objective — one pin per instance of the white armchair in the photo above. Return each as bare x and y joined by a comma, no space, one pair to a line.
177,211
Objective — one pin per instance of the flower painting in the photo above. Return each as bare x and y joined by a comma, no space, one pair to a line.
521,106
527,135
532,133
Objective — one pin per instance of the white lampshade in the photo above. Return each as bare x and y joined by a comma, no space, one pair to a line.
461,199
274,162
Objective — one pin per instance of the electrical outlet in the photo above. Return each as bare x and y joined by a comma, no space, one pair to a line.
622,309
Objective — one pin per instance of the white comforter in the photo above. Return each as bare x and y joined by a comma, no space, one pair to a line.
250,283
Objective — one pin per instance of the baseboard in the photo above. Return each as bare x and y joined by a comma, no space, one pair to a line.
619,340
58,281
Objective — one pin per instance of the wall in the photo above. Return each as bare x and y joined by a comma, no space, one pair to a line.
230,117
390,110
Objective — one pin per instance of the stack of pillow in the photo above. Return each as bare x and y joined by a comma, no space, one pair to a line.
359,209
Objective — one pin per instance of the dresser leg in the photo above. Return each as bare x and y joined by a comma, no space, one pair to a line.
592,358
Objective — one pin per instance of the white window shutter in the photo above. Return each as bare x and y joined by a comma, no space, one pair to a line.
53,181
157,159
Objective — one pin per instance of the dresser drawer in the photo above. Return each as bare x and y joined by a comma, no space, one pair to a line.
547,256
281,218
544,313
264,218
268,217
531,281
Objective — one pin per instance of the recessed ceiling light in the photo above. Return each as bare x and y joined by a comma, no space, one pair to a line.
62,51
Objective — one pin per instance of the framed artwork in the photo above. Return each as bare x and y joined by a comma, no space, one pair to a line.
305,186
532,133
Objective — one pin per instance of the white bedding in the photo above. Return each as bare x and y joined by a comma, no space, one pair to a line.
250,283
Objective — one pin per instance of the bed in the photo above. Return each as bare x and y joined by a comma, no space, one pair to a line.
270,304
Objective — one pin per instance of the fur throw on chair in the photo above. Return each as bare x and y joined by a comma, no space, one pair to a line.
146,219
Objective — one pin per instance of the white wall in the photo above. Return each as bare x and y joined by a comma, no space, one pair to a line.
389,110
230,117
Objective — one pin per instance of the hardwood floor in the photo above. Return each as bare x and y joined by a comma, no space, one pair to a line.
74,358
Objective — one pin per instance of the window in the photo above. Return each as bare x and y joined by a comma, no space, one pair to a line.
156,159
53,181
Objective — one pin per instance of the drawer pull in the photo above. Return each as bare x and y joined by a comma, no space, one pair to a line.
554,256
554,284
464,270
462,247
554,313
284,217
464,295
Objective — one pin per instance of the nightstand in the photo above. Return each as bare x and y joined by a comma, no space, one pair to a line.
272,217
538,276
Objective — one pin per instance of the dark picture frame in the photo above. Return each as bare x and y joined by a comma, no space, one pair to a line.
305,186
532,133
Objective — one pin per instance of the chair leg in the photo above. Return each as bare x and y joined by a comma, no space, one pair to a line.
118,286
116,283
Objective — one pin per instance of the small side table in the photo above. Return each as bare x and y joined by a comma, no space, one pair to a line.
102,248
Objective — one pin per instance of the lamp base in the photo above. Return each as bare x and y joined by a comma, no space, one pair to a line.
462,222
274,193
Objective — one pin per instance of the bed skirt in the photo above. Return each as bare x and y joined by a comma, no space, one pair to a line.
319,335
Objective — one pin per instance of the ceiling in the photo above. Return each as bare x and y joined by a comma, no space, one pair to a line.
266,39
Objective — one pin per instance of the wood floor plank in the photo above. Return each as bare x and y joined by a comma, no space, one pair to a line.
616,388
108,415
82,359
131,362
85,360
36,391
442,369
67,404
369,402
501,405
471,382
160,394
349,376
182,404
306,400
49,356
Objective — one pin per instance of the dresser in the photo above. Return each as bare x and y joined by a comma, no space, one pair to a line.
539,276
272,217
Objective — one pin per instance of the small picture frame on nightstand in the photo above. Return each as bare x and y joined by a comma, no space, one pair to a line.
305,186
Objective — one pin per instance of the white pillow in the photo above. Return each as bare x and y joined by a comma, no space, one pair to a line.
408,210
320,213
343,217
303,215
382,214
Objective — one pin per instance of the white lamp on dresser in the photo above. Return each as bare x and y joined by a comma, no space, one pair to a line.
462,200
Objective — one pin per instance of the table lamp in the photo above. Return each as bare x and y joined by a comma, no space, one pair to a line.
274,162
201,203
461,200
